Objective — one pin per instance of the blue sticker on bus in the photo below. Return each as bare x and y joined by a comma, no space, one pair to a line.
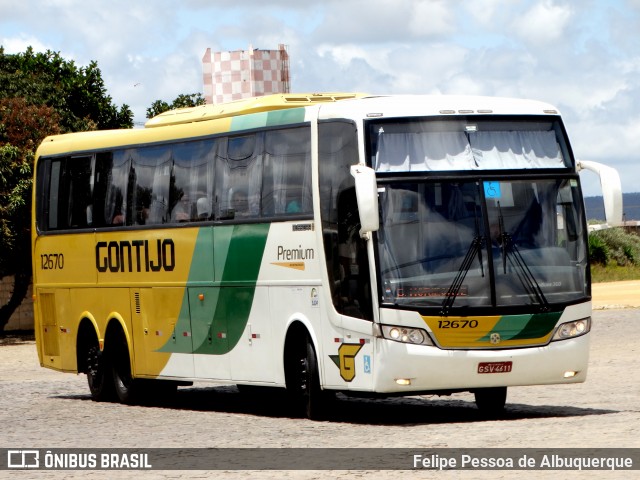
492,190
367,364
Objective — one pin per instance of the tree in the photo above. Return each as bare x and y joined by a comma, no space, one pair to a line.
181,101
77,94
40,94
22,127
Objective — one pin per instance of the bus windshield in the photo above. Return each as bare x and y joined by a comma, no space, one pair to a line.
481,243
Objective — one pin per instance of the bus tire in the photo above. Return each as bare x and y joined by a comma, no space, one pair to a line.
99,375
126,387
303,382
491,401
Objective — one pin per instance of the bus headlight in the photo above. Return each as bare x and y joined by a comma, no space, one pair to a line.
415,336
572,329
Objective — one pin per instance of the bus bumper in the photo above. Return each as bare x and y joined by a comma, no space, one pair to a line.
414,368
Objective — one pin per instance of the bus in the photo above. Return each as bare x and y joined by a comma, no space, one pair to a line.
318,243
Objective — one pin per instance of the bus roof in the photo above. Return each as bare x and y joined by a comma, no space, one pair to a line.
435,105
246,106
285,109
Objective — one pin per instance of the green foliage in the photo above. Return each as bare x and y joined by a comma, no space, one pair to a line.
15,214
181,101
614,245
598,250
77,94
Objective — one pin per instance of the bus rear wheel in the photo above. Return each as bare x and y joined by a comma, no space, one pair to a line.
99,375
491,401
126,387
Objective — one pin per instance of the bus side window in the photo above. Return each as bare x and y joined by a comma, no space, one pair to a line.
102,167
116,173
80,207
239,177
53,200
353,273
69,193
191,182
286,184
347,261
151,172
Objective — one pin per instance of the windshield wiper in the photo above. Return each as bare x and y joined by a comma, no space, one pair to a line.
454,289
525,275
474,249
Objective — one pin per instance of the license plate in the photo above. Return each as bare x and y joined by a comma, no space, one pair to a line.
494,367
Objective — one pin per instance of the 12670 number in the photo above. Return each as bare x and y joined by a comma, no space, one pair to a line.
457,324
52,261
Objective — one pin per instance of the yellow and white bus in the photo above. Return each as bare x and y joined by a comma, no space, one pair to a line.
323,243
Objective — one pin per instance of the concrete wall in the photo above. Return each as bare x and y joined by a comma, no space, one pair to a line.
22,318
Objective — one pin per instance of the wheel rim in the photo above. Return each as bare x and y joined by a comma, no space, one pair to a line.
94,374
303,377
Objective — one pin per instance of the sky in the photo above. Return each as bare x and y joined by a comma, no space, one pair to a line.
583,57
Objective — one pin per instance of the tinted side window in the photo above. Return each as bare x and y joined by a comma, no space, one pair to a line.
150,178
239,177
346,253
191,189
67,201
249,176
286,184
116,180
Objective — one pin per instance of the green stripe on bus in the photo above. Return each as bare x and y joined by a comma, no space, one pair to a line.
268,119
234,302
520,327
217,321
539,325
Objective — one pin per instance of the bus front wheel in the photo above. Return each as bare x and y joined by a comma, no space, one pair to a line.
491,401
303,381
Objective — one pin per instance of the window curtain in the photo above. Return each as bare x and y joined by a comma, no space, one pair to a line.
423,152
438,151
517,149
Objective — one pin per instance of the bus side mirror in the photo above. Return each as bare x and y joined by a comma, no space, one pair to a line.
367,198
611,189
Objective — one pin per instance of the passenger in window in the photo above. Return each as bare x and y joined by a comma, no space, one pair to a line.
143,215
203,209
118,218
182,210
527,233
293,207
143,201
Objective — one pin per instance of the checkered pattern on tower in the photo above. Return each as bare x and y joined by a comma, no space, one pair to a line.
242,74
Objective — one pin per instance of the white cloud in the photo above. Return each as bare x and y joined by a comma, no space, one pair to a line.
380,21
21,42
488,12
543,24
431,17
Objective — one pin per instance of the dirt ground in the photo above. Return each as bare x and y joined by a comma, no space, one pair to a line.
616,294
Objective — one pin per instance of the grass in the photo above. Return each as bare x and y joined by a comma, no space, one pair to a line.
614,273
